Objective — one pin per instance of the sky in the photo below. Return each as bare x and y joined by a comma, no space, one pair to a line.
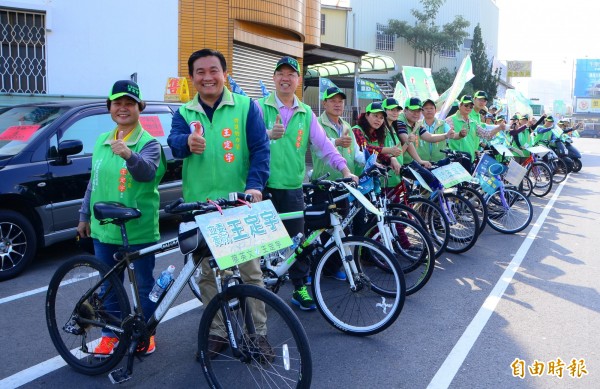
550,33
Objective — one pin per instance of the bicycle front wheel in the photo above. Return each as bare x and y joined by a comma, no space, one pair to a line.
541,176
477,201
279,359
413,249
436,222
560,171
377,298
75,324
511,215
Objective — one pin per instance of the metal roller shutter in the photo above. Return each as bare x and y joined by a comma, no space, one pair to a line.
251,65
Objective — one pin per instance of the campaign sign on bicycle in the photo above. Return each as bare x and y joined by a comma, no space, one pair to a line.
452,174
237,235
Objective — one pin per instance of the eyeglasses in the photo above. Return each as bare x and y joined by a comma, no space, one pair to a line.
470,106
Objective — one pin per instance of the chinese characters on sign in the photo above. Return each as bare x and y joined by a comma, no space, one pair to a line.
557,368
243,233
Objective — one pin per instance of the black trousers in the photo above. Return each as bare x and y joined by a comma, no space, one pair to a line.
292,200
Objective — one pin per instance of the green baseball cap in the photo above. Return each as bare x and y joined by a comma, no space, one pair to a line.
500,118
481,95
413,103
390,103
332,91
466,99
125,88
549,118
375,107
293,63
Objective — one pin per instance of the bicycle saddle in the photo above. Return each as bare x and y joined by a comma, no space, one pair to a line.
114,212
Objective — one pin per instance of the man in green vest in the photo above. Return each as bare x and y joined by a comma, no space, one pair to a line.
224,146
469,130
291,126
407,132
433,134
480,99
339,132
127,166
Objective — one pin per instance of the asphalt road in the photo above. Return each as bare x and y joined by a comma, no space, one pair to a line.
529,299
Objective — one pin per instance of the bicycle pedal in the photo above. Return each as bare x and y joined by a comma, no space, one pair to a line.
118,376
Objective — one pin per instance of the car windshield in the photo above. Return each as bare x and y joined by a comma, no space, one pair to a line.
20,125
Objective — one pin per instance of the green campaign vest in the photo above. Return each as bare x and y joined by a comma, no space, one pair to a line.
469,143
111,181
223,166
393,178
475,116
431,151
320,167
546,136
406,158
525,141
288,154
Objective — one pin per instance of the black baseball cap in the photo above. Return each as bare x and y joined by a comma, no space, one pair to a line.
413,103
390,103
429,101
125,88
481,95
376,107
332,91
290,62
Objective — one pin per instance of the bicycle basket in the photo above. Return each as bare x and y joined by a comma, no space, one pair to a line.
317,216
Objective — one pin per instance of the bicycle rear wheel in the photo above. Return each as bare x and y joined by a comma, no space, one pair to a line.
376,301
75,325
413,249
541,176
286,361
436,222
477,201
513,217
464,223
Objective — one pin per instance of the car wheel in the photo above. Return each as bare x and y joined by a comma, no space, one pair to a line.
17,244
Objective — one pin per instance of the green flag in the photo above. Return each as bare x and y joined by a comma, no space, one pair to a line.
419,83
464,74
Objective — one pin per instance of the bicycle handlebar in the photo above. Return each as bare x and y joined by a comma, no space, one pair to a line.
179,206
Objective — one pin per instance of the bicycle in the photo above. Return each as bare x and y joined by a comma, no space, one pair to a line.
509,210
85,296
370,300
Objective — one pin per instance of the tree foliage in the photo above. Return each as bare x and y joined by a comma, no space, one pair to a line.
486,78
425,36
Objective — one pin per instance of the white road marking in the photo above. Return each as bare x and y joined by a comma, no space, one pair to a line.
45,288
41,369
455,359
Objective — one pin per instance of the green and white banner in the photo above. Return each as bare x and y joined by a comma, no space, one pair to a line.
419,83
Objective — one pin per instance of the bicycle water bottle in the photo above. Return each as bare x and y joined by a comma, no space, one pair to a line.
287,252
161,283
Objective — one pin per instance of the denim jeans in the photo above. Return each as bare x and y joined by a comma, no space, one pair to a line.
143,269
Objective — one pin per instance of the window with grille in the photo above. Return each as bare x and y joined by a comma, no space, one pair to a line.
384,42
448,53
22,51
322,24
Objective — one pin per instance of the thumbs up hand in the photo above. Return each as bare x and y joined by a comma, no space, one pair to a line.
278,130
196,140
345,140
119,147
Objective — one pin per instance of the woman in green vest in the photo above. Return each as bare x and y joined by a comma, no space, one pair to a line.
127,166
371,132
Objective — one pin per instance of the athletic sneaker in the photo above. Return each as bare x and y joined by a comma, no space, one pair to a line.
302,299
106,346
151,346
337,275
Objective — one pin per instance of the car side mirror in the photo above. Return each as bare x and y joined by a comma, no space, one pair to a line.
68,147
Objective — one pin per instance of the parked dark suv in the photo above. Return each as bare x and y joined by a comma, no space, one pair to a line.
45,163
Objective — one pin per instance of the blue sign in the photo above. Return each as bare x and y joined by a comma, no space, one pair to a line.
587,78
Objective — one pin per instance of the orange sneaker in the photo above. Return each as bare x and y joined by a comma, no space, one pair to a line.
106,346
151,346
